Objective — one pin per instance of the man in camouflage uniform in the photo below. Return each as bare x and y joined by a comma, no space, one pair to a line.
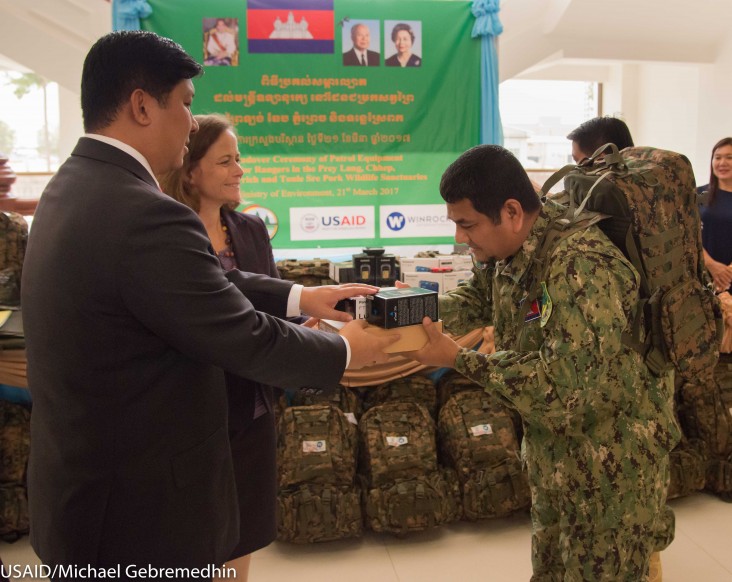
598,425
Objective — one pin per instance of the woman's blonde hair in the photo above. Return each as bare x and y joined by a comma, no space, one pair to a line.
177,184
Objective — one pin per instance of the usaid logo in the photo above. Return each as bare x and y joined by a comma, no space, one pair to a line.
332,223
395,221
309,223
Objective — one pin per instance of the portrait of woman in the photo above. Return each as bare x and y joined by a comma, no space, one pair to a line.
403,37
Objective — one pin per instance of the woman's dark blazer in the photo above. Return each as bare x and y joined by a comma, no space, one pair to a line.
253,254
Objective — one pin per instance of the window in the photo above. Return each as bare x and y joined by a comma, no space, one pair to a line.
538,115
29,121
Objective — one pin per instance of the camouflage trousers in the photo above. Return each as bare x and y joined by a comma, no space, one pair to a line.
595,537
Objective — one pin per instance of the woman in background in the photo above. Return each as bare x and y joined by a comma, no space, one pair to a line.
208,183
403,38
716,216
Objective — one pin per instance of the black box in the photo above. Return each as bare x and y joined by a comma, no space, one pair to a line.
399,307
374,267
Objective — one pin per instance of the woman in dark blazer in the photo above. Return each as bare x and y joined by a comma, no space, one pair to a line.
208,183
403,38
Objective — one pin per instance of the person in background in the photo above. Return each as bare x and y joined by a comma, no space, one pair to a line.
360,55
129,323
716,215
403,38
595,133
208,182
598,425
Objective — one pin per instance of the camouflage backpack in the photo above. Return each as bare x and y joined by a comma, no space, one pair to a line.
477,438
414,388
14,452
687,464
316,456
719,475
310,273
453,382
342,397
13,241
645,201
403,488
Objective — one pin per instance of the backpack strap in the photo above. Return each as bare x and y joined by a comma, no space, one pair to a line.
556,231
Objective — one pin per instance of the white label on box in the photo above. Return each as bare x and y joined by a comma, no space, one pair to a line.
431,281
351,417
314,446
481,429
462,262
396,441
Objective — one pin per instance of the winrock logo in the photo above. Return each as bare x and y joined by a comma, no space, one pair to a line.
396,221
417,220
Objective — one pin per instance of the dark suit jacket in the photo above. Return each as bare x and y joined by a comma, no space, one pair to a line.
129,322
350,59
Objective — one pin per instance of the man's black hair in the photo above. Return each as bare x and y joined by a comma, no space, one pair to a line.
598,131
123,61
488,175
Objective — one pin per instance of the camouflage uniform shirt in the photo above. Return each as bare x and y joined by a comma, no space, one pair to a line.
594,415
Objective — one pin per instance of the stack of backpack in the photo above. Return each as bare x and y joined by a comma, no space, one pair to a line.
14,417
645,201
318,499
403,488
310,273
399,486
478,439
14,452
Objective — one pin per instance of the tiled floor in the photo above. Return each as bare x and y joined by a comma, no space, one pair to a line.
491,551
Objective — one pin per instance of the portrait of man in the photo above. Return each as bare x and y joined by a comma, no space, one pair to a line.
363,35
220,42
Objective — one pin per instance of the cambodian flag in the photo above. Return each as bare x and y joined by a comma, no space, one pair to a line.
290,26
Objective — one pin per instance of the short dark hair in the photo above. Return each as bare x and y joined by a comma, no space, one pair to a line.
598,131
488,175
176,184
123,61
713,180
399,27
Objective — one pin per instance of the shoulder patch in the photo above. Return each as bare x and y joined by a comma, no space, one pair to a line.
546,305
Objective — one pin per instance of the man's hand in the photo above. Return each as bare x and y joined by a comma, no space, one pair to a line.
440,350
400,285
366,349
319,301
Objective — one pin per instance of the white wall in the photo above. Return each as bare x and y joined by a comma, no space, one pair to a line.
714,113
668,100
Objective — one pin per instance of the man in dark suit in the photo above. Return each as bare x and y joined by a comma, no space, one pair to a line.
130,325
359,55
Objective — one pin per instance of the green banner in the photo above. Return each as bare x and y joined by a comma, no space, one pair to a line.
335,152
